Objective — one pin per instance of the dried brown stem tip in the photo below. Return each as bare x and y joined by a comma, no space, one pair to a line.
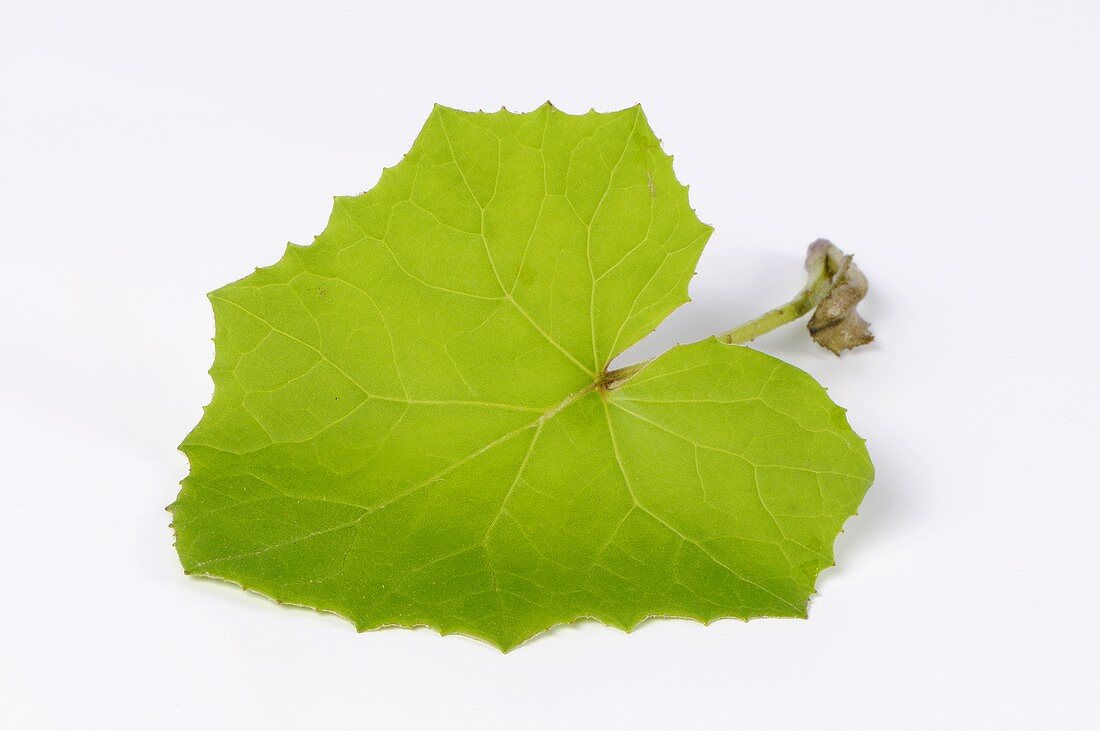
836,324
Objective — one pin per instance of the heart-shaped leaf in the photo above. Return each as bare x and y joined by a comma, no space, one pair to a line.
413,424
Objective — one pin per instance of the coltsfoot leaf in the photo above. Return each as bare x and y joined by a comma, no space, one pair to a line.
411,423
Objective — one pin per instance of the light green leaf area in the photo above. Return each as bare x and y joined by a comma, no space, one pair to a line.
411,424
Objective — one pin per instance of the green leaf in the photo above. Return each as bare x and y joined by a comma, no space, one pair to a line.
411,423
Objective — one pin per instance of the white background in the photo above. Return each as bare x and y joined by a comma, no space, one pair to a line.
151,152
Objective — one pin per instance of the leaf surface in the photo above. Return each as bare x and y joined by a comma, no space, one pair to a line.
409,425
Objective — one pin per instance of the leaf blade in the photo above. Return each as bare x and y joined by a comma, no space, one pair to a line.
409,427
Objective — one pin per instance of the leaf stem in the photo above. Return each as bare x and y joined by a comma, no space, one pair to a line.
820,269
823,261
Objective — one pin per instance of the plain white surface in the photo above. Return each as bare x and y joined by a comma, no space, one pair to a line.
150,152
